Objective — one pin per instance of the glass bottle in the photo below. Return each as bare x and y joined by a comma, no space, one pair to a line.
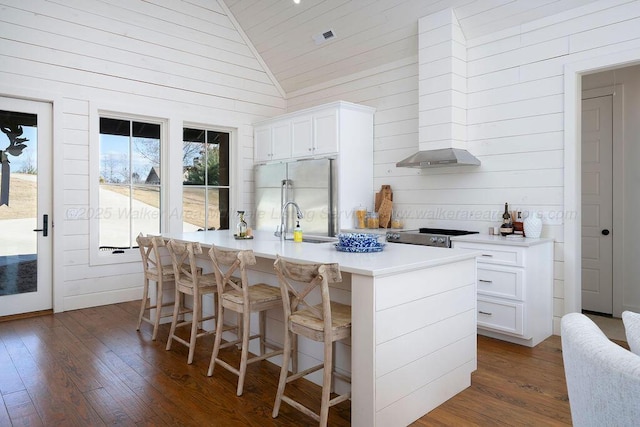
361,214
297,233
242,225
507,226
372,220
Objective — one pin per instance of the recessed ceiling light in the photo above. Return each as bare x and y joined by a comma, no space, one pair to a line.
296,1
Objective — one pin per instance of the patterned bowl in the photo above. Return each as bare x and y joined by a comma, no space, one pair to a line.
358,240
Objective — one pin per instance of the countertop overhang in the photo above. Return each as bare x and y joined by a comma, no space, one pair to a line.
395,258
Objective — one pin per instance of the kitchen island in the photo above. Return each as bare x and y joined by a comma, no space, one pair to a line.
413,341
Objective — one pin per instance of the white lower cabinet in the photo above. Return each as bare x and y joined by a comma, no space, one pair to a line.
515,287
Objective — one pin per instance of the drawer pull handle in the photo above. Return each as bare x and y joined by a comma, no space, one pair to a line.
485,312
485,281
487,255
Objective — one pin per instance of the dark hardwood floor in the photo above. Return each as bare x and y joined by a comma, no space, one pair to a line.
90,367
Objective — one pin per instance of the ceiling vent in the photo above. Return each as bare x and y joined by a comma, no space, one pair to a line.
324,36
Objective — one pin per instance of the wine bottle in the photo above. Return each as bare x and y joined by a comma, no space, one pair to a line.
507,226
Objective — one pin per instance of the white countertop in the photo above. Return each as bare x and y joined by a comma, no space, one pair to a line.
395,258
512,240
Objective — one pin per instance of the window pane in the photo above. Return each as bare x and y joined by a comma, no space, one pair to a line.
145,161
145,213
145,130
218,211
218,158
19,216
114,159
193,164
193,208
113,214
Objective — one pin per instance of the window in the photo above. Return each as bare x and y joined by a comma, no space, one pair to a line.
205,190
129,182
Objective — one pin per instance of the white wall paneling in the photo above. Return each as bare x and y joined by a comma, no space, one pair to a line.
517,126
184,62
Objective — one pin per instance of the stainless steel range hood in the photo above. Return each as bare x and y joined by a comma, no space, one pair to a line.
439,158
442,95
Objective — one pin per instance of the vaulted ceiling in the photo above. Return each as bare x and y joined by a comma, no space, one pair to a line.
368,33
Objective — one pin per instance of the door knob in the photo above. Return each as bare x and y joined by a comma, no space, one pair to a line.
605,232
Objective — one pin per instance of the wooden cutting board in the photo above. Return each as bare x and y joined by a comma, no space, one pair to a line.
385,193
384,213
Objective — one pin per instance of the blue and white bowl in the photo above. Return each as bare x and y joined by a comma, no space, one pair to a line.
358,240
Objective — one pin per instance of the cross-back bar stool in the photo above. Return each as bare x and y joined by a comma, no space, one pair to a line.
241,297
326,322
154,270
189,280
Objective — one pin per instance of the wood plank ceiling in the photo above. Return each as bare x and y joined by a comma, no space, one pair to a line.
368,33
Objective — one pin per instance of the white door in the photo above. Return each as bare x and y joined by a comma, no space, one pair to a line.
25,206
597,204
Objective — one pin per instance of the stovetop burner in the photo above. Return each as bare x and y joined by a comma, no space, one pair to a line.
445,232
439,237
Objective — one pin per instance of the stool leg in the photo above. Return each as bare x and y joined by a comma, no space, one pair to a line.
294,353
195,319
326,382
143,306
174,320
239,329
262,320
246,329
218,339
284,370
156,323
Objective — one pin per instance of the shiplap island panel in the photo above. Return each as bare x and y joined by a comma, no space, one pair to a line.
413,343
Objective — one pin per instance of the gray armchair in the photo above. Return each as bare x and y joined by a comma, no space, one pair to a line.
603,379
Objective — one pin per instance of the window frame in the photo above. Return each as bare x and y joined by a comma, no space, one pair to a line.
232,168
96,256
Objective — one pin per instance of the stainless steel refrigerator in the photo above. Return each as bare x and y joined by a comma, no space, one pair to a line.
310,183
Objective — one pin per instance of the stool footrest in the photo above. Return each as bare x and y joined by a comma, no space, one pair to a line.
304,373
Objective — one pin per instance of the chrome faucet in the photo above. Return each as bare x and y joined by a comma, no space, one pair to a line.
282,232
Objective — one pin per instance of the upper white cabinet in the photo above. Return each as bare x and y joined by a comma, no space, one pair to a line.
313,132
272,141
302,136
325,132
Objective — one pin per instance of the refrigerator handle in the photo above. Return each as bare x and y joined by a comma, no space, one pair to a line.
285,188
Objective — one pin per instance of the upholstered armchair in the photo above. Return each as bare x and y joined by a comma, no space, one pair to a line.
603,378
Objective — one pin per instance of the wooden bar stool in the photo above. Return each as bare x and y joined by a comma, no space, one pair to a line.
241,297
326,322
183,256
154,270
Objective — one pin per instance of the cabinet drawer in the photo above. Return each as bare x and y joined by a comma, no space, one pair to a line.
496,254
503,316
498,281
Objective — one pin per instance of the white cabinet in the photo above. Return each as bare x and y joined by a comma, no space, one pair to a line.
515,287
325,132
314,132
302,136
272,141
339,130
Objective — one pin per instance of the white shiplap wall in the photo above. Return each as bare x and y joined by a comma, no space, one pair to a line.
181,61
515,91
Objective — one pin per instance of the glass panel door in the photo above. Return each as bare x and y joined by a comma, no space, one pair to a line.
25,206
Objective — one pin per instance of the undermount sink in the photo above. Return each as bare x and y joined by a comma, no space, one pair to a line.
319,239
